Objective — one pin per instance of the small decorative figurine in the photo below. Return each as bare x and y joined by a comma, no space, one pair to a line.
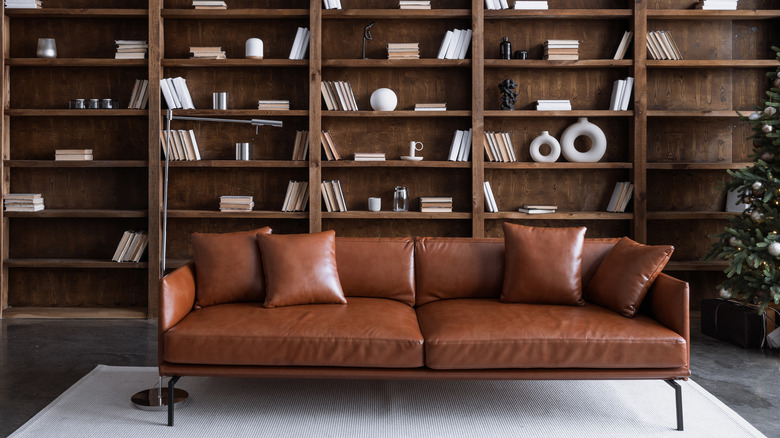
367,36
508,94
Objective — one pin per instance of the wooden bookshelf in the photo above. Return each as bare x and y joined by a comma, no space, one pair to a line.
675,142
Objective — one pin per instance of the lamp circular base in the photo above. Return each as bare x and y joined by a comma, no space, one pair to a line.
148,400
410,158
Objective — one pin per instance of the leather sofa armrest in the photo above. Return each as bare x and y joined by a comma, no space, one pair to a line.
177,296
667,302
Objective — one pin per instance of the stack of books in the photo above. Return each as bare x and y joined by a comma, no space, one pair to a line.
499,147
183,145
131,49
23,202
73,155
562,50
455,44
236,203
273,105
623,46
621,94
430,106
537,209
209,4
131,247
553,105
620,197
460,149
403,51
436,204
140,96
490,200
369,156
207,52
176,93
496,4
717,5
23,4
331,4
297,196
300,44
660,45
531,4
338,96
329,147
333,196
414,4
301,146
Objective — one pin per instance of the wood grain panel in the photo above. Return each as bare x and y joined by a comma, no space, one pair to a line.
749,87
398,228
742,147
110,138
587,89
678,89
588,4
244,4
93,4
698,39
524,131
596,229
685,190
89,188
672,139
688,237
393,4
686,4
77,287
754,40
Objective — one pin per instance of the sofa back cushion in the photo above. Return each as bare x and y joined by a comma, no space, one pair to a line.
461,267
376,267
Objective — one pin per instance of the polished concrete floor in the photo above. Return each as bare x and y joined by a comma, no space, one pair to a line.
39,359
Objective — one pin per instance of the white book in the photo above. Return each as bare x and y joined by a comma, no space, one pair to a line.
453,47
121,246
304,44
489,4
455,147
143,95
617,94
341,91
626,197
139,248
325,197
464,49
351,95
490,199
625,98
504,4
134,94
184,93
166,91
465,146
303,196
445,44
194,144
171,86
339,196
531,5
338,4
510,147
613,200
129,247
297,43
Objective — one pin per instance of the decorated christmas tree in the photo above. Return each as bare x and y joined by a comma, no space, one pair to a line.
751,243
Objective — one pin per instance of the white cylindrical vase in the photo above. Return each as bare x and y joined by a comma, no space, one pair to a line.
254,48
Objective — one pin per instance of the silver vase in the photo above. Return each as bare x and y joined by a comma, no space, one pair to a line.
47,48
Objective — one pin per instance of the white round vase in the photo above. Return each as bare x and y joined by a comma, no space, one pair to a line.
384,99
536,145
597,139
254,48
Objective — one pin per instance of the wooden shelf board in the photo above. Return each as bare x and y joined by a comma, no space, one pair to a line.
556,166
689,215
77,13
74,313
397,113
72,263
76,113
219,14
254,63
388,14
396,63
255,214
238,113
564,215
75,62
171,264
694,14
696,266
541,63
399,163
92,163
585,14
572,113
393,215
697,166
75,212
713,63
693,113
238,163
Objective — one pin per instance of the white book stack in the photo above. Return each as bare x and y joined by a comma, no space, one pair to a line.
301,146
176,93
23,202
661,46
198,52
73,155
209,4
331,4
131,49
236,203
490,200
537,209
23,4
403,51
561,50
499,147
273,105
496,4
430,106
333,196
436,204
620,197
300,44
369,156
530,4
414,4
140,96
297,196
719,5
131,246
455,44
338,96
621,94
183,146
460,149
553,105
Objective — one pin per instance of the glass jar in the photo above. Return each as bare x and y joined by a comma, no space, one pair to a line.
401,199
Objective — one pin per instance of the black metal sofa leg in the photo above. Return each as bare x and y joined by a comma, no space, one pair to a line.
171,398
678,397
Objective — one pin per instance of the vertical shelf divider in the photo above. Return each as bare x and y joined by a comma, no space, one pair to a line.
315,115
639,128
155,175
477,117
6,155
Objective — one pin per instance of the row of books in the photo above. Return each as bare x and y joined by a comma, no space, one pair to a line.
553,105
370,156
140,96
460,149
490,200
329,147
183,146
414,4
717,5
531,4
403,50
338,96
301,146
621,94
300,44
209,4
23,4
236,203
537,209
455,44
430,106
333,196
297,196
620,197
331,4
131,246
436,204
23,202
561,50
661,45
73,155
499,147
198,52
131,49
273,105
625,41
496,4
176,93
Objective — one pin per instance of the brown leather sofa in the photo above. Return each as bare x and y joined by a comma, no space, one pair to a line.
426,308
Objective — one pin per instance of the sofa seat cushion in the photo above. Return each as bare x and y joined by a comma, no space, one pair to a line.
485,333
366,332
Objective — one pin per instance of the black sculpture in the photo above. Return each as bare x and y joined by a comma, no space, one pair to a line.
367,36
508,94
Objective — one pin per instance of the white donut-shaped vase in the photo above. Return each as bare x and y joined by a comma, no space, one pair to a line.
597,139
536,145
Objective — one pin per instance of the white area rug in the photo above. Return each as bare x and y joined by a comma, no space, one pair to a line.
99,406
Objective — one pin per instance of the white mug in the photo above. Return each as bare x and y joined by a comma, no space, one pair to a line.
374,204
413,147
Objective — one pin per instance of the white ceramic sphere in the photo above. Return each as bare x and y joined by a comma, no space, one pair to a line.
384,99
254,48
774,249
597,138
536,145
